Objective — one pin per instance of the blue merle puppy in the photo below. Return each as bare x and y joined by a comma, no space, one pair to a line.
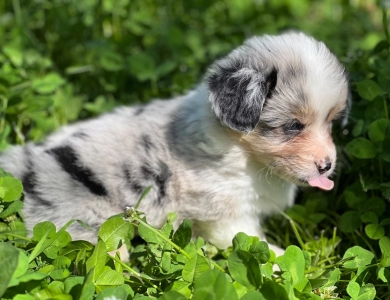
223,156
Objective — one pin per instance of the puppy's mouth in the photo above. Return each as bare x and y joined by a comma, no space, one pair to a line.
293,172
321,182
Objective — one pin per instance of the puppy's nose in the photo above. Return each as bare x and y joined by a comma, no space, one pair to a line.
324,166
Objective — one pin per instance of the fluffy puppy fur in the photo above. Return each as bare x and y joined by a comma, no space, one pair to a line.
222,156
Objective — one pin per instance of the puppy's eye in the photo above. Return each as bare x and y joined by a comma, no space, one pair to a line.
294,126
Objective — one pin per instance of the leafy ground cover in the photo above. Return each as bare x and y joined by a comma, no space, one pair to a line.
66,60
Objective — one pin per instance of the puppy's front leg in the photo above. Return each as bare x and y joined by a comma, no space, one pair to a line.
221,233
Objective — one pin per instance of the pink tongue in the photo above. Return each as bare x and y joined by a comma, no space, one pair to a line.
322,182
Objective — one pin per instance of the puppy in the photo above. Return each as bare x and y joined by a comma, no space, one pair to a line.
223,156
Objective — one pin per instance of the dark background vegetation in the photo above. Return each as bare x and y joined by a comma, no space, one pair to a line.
65,60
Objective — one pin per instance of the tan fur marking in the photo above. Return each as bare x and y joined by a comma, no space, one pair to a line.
340,106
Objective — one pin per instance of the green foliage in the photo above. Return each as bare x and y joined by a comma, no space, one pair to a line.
61,61
79,270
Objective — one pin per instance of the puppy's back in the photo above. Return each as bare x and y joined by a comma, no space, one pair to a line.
94,169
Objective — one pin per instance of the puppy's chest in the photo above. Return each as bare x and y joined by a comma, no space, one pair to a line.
272,194
244,191
264,195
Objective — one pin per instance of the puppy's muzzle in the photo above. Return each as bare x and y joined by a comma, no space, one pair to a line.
324,166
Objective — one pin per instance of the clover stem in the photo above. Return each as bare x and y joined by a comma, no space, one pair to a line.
298,236
135,273
334,239
155,231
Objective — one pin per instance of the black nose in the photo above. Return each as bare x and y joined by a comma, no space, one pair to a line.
324,167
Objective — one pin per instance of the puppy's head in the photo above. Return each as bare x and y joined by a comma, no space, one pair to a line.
283,93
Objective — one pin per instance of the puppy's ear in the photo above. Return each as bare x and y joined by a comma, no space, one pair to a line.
237,93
